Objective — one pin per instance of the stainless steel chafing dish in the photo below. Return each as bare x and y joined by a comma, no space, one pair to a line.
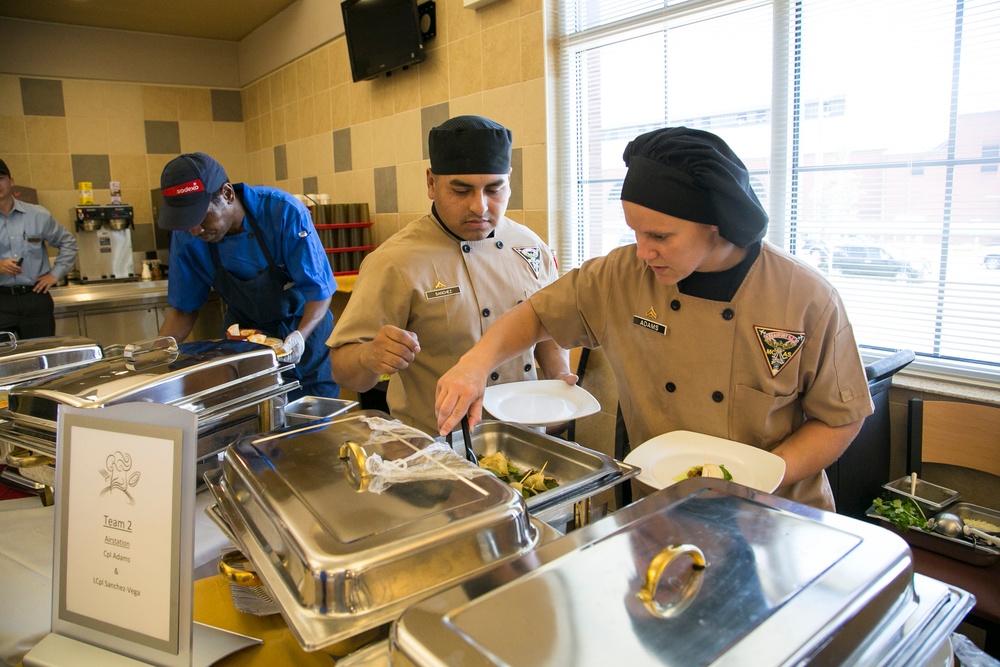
580,472
704,572
233,387
341,559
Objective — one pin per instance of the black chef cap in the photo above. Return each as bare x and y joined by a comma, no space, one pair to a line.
469,145
694,175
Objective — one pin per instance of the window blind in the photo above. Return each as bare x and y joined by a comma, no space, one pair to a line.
871,131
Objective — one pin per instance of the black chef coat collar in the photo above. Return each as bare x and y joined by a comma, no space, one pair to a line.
448,231
720,285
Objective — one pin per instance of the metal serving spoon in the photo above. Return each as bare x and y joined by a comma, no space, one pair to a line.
952,525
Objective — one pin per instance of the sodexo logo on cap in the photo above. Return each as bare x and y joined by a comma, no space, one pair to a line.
187,184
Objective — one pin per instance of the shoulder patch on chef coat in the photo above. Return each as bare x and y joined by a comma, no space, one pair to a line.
779,346
532,255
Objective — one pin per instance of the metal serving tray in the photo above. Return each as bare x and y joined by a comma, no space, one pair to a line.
340,559
311,408
705,572
580,472
965,549
33,358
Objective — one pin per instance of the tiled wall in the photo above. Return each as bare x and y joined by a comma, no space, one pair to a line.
55,133
304,128
309,128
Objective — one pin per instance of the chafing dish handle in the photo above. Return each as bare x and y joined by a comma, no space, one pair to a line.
235,575
691,587
11,339
22,458
133,350
355,458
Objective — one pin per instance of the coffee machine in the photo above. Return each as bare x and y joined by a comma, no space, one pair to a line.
104,235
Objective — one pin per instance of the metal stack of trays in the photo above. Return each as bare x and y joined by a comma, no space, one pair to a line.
233,387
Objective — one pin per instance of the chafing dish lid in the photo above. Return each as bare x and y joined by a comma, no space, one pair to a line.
777,586
333,548
32,358
187,376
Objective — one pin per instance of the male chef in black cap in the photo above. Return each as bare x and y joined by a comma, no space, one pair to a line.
430,291
707,327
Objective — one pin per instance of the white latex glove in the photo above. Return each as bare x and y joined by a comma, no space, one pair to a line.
294,346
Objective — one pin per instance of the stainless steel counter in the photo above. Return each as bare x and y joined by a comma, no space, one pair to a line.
120,293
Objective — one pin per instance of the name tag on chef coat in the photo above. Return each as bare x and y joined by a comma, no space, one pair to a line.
440,291
649,322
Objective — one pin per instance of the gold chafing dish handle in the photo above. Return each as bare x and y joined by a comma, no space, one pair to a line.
235,575
691,587
18,457
354,457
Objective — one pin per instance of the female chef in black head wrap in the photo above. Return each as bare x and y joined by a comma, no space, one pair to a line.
707,327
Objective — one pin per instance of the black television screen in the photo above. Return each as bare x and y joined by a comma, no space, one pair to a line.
382,35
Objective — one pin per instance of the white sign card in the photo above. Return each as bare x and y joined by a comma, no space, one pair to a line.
125,500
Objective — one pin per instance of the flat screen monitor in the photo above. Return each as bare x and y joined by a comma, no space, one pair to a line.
382,35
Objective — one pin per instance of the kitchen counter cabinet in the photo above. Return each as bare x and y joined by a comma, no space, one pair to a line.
119,313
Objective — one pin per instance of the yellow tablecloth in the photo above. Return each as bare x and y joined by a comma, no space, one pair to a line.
213,605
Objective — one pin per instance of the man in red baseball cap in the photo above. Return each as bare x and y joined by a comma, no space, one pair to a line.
256,246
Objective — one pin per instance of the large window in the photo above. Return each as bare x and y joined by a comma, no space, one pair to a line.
871,129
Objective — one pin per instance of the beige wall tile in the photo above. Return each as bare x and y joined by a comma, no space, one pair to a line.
504,105
460,22
235,165
154,167
196,136
498,12
340,64
324,154
340,106
465,66
501,55
46,134
264,96
294,160
434,78
124,101
87,135
83,99
278,134
20,168
293,128
326,184
528,6
533,105
532,39
383,141
381,94
10,96
469,104
535,177
307,116
307,156
320,66
538,222
360,99
130,171
62,205
411,189
276,83
250,99
251,129
290,84
159,103
49,172
127,135
322,112
228,138
361,146
194,104
408,137
406,90
142,205
304,78
385,225
267,131
13,136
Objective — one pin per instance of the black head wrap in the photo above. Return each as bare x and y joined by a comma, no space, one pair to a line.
694,175
469,145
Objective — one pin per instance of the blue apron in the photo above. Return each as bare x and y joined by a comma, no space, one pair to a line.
262,302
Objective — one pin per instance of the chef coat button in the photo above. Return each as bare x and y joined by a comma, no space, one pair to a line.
527,368
500,244
675,305
671,387
520,300
466,247
717,396
494,376
486,312
728,314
